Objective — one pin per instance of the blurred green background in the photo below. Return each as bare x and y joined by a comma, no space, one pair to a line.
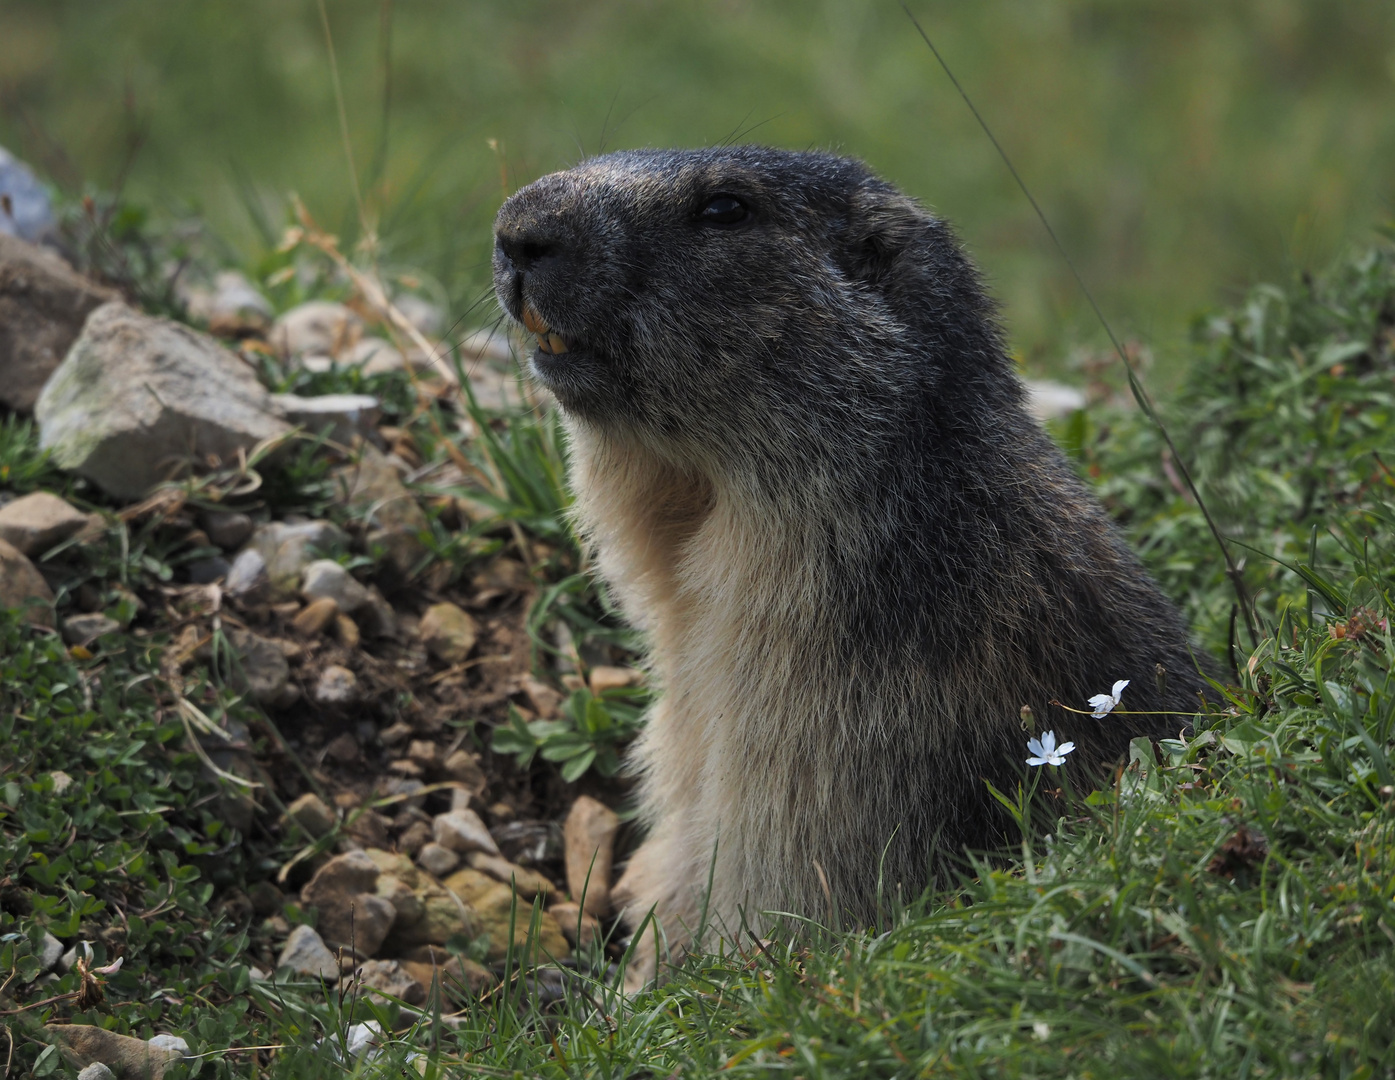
1182,148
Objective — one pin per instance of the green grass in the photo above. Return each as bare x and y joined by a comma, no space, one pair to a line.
1225,908
110,832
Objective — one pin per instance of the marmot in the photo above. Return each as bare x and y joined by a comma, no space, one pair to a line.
802,455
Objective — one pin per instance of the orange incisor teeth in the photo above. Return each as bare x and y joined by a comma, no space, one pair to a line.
548,342
532,321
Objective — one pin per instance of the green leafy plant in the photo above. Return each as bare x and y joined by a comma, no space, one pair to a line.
23,466
110,833
590,734
1288,421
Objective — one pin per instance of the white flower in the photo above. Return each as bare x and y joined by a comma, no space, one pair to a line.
1041,1031
1104,703
1046,752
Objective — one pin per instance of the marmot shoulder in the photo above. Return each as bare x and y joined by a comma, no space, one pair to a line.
803,457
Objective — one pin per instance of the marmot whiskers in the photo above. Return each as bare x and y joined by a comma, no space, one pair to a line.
802,455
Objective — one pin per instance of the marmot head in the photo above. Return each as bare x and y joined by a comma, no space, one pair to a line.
701,298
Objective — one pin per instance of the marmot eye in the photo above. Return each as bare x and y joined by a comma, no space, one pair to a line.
723,210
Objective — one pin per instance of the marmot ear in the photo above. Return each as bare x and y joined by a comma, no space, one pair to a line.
882,225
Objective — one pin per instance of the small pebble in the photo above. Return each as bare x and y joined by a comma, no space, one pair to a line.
462,830
336,686
228,530
82,629
248,574
568,916
311,814
423,752
51,953
325,577
614,678
346,630
437,860
464,768
343,749
316,616
207,571
414,837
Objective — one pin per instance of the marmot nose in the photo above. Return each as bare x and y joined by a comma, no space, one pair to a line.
526,248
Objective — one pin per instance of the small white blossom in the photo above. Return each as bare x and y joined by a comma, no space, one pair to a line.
1103,704
1041,1031
1044,751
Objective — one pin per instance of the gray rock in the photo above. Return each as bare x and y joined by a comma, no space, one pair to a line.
232,305
164,1041
51,952
96,1071
373,356
316,364
227,529
37,522
448,632
336,686
339,417
395,521
316,328
25,210
287,549
138,400
262,670
326,578
341,878
388,977
207,571
406,786
311,814
404,901
463,831
437,859
247,575
69,958
464,768
266,897
527,883
376,617
590,851
305,953
83,629
23,587
360,922
43,304
414,837
427,317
